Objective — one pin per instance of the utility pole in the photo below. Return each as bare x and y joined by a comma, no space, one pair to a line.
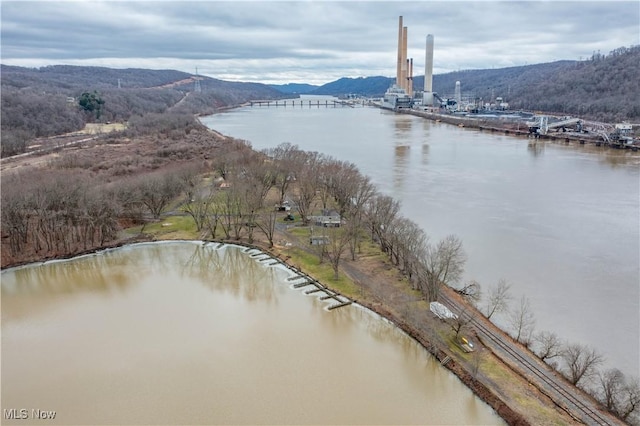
197,87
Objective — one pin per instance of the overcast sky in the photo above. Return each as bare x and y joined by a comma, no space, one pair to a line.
310,41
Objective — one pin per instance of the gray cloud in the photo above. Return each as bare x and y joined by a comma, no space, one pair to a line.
310,41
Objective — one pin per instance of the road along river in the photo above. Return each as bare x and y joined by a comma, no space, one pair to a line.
559,222
186,333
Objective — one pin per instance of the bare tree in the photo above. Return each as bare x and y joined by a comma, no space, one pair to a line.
611,389
15,216
523,321
230,209
337,244
580,362
363,191
130,199
442,264
620,395
189,177
549,345
214,219
307,183
157,192
266,222
287,160
498,298
460,322
381,211
343,180
629,409
410,246
198,206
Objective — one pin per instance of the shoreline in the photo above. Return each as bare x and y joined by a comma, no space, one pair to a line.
384,309
484,393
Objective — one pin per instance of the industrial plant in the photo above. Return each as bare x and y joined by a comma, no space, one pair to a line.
470,111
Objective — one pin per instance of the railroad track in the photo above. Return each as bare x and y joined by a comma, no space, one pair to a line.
547,381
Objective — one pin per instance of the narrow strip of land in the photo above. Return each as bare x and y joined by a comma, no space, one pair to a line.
409,312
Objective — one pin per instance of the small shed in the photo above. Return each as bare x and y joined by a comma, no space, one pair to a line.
332,221
318,240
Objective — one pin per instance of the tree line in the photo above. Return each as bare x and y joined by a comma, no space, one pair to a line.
62,212
577,362
53,100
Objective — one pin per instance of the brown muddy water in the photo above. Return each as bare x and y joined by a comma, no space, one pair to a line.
186,333
559,222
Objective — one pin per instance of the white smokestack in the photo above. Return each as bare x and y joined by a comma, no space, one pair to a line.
428,65
458,96
427,98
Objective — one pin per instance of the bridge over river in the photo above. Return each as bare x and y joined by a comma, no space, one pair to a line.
352,103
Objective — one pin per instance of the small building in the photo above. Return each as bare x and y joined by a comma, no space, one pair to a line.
318,240
328,219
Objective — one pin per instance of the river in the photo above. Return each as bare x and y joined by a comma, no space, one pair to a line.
186,333
559,222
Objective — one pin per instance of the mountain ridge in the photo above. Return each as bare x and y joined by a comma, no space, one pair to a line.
38,102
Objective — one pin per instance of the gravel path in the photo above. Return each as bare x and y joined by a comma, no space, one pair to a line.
380,287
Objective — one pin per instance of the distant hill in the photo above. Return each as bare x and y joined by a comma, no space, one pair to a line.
603,87
43,101
71,80
68,77
363,86
294,88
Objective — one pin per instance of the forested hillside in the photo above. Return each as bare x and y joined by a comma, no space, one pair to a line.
46,101
365,86
603,87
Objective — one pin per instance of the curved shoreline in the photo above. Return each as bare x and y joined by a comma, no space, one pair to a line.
483,392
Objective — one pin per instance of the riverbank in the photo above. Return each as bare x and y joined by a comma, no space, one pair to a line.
517,129
509,387
379,286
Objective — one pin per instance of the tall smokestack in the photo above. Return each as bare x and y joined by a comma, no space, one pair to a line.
410,78
399,66
405,67
428,65
428,73
458,96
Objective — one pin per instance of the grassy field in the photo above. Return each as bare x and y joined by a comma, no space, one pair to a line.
169,228
101,128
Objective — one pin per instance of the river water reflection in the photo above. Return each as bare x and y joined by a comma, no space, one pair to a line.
181,333
560,223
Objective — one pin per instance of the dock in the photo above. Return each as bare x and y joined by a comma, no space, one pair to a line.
329,294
